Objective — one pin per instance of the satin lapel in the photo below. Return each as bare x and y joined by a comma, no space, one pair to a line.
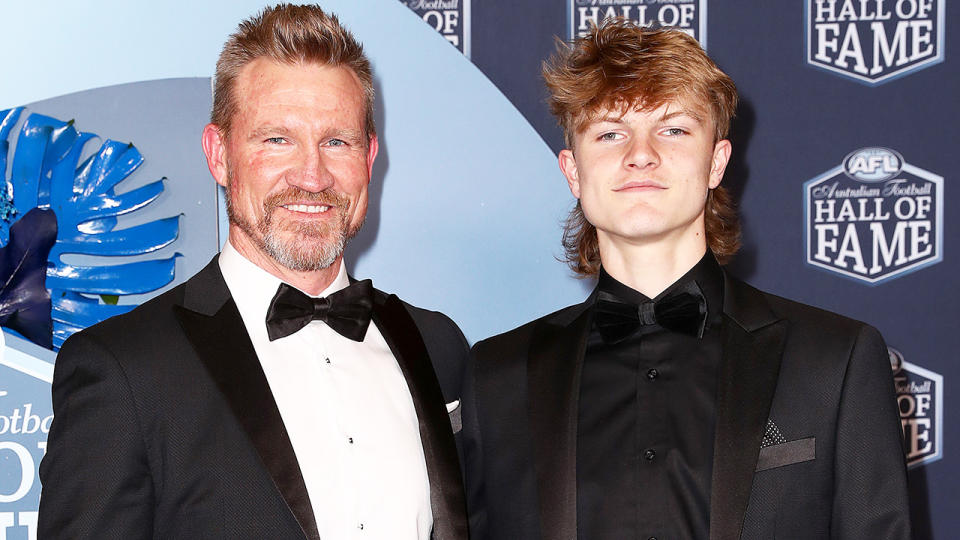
753,340
439,448
213,324
554,365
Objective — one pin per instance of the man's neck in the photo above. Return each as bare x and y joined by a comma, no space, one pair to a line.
311,282
650,268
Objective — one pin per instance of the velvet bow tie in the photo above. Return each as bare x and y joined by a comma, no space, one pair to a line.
684,310
347,311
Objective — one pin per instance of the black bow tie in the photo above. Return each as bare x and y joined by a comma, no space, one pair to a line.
684,310
347,311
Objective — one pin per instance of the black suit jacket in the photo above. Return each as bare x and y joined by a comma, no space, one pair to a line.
165,426
824,380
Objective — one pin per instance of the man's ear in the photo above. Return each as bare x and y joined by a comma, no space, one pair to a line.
568,164
214,147
373,146
721,156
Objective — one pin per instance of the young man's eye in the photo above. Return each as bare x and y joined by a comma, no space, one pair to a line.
611,136
675,131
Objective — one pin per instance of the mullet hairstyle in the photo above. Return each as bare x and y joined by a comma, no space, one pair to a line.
621,66
288,34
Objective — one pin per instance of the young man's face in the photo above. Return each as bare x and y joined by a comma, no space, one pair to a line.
296,163
643,177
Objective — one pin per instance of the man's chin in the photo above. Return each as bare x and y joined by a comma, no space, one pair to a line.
301,253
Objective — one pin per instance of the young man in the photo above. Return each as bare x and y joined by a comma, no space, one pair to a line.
269,396
676,402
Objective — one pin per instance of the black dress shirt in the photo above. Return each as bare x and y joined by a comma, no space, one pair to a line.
646,423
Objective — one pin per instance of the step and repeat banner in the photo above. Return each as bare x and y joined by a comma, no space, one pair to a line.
844,163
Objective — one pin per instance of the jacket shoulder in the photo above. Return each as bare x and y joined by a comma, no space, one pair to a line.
521,335
152,317
801,313
435,322
815,327
434,326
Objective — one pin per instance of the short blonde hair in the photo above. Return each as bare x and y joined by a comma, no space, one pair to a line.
288,34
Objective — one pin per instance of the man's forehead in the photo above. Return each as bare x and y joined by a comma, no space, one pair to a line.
668,108
261,65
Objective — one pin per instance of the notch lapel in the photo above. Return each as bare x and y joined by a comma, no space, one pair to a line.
753,340
439,447
212,323
554,365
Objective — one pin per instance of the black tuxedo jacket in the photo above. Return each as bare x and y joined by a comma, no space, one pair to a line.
823,380
165,426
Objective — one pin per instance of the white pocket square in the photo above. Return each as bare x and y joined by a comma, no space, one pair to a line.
452,406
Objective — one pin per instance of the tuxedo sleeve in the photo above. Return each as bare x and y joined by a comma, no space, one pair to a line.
95,477
870,492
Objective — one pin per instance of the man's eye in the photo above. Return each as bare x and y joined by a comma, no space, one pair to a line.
675,131
336,142
611,136
276,140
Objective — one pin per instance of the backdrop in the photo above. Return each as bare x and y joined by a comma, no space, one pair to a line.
842,163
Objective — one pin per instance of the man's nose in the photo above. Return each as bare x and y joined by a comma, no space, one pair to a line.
312,173
642,154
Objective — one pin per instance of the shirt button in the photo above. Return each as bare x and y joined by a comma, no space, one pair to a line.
360,526
350,440
327,360
650,454
652,374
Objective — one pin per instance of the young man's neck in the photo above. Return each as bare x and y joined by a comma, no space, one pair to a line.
650,268
310,282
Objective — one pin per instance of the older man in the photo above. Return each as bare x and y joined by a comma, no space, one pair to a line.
676,402
270,395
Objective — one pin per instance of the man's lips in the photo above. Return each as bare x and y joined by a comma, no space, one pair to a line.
645,185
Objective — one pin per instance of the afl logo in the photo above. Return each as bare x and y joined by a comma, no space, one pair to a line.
920,401
873,217
873,164
874,41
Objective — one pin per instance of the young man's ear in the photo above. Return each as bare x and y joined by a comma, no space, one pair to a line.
568,164
721,156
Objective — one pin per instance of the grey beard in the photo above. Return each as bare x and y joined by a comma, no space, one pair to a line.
293,254
301,258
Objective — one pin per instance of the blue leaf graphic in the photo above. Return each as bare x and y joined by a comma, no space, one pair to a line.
47,173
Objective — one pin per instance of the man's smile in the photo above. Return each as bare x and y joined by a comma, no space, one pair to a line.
307,208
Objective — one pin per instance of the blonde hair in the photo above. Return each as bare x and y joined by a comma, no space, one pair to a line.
288,34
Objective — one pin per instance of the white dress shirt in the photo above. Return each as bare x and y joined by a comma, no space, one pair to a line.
349,414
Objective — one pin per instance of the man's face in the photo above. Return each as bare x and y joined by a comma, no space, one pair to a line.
643,177
296,163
